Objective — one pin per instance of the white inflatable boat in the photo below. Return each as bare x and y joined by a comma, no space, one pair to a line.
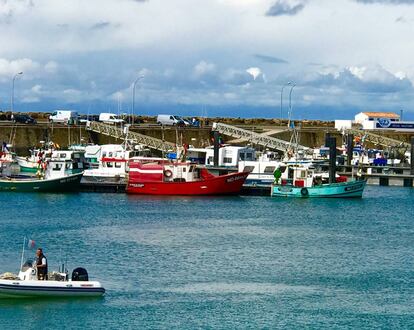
26,284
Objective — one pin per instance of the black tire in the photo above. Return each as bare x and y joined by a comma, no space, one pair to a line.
304,192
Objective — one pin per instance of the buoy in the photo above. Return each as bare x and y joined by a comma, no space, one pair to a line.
168,173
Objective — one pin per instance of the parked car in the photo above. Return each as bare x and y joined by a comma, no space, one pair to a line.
23,118
185,121
169,120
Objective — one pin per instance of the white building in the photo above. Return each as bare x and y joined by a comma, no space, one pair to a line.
362,117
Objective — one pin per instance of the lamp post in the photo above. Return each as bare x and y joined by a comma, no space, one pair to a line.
281,99
12,91
290,103
133,96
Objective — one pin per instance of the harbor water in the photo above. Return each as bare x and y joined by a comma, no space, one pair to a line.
218,262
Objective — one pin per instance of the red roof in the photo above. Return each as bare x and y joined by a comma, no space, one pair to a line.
381,114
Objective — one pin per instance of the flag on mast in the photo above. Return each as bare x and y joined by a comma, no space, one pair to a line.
31,244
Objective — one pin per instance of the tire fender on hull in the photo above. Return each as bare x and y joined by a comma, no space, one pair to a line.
304,192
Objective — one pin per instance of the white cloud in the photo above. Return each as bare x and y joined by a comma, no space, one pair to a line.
204,68
36,89
254,72
192,51
51,67
9,68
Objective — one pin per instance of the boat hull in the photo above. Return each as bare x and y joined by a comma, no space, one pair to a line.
27,289
220,185
351,189
64,184
27,165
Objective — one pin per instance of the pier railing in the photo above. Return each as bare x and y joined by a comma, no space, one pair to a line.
380,140
123,133
259,139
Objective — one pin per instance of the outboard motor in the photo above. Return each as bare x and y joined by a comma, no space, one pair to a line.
80,274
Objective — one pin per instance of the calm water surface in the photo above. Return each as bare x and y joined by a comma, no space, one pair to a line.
215,262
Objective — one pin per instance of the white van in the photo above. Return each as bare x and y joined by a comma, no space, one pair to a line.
169,120
110,118
63,116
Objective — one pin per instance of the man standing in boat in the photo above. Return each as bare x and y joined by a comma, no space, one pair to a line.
41,265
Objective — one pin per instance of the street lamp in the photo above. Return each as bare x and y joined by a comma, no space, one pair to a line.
133,95
290,103
281,99
12,91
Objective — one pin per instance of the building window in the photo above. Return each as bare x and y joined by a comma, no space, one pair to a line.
227,160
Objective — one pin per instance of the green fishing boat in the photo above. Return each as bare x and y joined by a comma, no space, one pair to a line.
60,173
35,184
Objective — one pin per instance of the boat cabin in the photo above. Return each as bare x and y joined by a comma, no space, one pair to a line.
63,163
228,155
304,175
161,170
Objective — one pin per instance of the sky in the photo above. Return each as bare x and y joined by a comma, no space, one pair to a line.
209,57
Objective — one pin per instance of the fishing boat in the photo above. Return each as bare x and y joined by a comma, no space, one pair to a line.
108,163
304,182
164,177
58,174
31,163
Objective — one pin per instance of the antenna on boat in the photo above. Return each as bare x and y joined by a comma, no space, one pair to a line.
24,245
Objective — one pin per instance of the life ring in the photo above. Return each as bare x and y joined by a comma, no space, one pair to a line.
168,173
304,192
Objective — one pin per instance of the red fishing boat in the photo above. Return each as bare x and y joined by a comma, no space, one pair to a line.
162,177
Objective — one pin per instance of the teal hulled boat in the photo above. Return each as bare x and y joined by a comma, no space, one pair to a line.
304,181
58,184
348,189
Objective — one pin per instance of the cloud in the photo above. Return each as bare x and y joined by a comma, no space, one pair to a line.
51,67
254,72
9,8
100,25
9,68
387,2
363,79
204,68
285,8
270,59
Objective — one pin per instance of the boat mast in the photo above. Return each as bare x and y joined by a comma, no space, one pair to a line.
24,244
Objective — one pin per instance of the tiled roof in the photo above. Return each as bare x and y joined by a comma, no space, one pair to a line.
381,114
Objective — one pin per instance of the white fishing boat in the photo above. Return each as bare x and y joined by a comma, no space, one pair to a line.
57,284
109,163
